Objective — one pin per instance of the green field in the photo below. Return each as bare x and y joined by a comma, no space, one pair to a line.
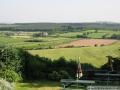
91,33
43,85
48,47
93,55
50,41
46,42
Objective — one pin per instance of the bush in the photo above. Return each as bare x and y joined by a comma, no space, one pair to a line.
9,57
64,74
81,36
55,76
95,45
115,36
9,75
10,63
114,63
34,40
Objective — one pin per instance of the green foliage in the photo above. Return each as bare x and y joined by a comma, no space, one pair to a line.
55,76
115,36
10,63
9,75
42,68
33,40
63,26
81,36
115,64
64,74
10,58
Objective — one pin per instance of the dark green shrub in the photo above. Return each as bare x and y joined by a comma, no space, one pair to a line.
95,45
34,40
10,58
55,76
115,36
10,63
82,36
115,64
64,74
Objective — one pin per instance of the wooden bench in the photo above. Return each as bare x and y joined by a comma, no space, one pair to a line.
68,82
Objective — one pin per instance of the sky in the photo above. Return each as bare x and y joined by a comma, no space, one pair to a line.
17,11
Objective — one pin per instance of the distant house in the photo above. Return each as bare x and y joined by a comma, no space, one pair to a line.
44,34
40,34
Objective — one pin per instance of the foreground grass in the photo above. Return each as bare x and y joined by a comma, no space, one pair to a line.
44,85
93,55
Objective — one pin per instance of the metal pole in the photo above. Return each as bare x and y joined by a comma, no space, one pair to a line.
108,78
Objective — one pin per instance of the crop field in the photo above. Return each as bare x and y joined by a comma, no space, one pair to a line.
87,54
90,42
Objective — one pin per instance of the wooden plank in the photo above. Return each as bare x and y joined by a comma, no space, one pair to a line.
107,74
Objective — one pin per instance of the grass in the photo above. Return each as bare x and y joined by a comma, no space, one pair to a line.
96,35
70,34
93,55
43,85
20,42
92,33
8,40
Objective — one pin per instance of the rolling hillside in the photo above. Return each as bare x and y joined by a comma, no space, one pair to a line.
94,55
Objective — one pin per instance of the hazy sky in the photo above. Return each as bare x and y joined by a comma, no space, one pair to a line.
59,10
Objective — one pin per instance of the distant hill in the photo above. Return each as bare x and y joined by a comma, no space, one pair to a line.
60,26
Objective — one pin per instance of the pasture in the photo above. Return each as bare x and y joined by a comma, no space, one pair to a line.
93,55
91,34
33,43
